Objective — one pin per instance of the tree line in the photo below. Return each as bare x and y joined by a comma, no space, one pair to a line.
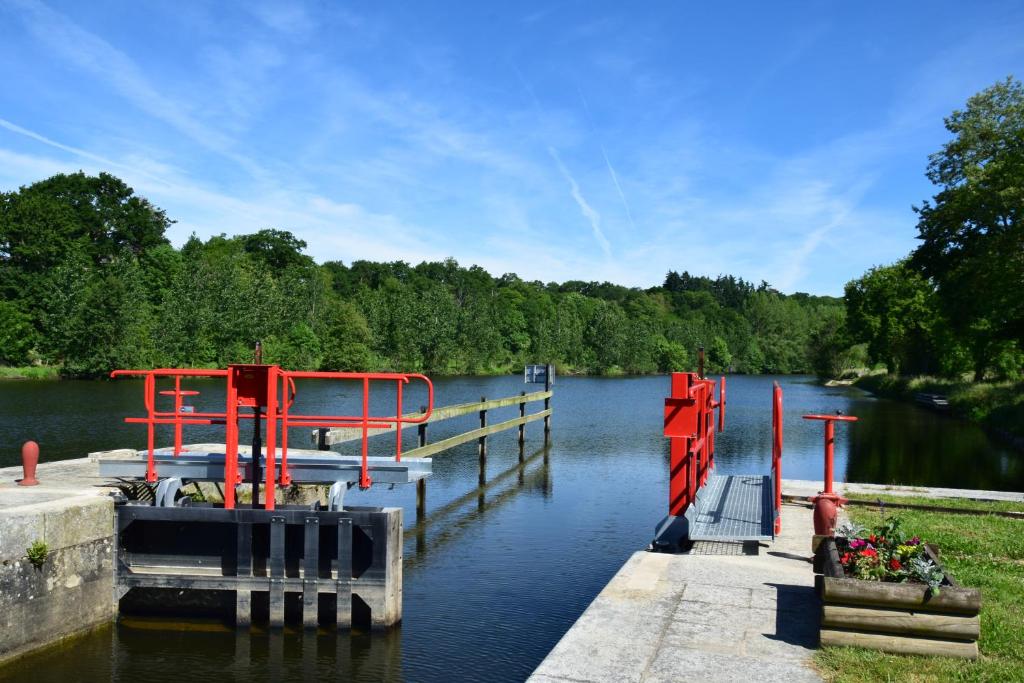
90,282
955,305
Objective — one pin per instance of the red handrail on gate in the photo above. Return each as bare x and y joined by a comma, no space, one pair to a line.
270,392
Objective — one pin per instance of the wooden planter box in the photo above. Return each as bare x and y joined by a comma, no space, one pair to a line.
896,617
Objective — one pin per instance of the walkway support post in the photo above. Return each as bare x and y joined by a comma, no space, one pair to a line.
421,485
522,427
547,402
482,444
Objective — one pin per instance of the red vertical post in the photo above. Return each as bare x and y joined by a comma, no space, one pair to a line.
230,444
721,405
364,475
777,453
287,395
177,415
149,387
398,423
271,465
830,440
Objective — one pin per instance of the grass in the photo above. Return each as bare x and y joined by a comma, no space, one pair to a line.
985,552
958,503
30,372
999,405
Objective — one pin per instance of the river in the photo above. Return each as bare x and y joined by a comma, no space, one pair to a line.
495,575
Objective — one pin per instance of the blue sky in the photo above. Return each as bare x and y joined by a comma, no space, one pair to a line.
559,140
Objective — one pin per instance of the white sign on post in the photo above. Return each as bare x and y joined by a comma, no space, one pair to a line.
538,374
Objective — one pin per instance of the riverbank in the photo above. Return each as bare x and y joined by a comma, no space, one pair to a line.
30,372
986,552
998,406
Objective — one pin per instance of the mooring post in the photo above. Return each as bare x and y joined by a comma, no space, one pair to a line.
421,485
547,402
522,427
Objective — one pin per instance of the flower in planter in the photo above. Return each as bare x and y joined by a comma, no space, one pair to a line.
883,554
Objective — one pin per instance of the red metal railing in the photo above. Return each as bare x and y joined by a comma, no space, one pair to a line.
777,454
690,427
270,393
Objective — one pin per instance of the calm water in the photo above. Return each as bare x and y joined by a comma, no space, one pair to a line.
497,574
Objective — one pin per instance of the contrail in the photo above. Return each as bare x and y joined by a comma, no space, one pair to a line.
622,195
607,161
586,209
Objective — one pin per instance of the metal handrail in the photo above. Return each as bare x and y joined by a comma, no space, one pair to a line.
276,414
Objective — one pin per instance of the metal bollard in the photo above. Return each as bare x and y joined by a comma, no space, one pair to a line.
29,461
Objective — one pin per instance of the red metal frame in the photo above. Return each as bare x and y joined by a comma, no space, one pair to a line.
690,428
270,392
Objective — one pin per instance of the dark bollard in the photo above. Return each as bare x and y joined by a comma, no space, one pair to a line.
29,461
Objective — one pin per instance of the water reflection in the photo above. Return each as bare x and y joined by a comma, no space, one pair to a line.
445,524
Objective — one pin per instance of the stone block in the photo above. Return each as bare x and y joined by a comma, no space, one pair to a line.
80,520
19,530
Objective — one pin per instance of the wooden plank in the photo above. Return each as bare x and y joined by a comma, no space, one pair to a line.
966,601
344,581
901,622
277,528
311,569
243,568
899,644
345,434
438,446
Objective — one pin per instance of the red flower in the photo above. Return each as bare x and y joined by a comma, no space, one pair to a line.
873,538
895,565
846,558
869,552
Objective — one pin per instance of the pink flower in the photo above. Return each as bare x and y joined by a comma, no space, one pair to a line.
857,543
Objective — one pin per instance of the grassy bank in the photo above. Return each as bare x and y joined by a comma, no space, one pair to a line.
986,552
30,372
997,405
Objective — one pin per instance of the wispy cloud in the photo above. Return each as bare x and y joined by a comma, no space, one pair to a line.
592,216
95,56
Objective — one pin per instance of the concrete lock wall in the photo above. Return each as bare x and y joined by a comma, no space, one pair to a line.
73,589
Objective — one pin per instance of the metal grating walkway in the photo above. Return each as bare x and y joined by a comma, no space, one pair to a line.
734,508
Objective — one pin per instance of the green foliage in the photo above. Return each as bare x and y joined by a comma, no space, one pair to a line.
91,284
955,304
17,335
972,235
893,309
37,553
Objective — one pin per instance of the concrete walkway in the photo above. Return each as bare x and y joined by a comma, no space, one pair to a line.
799,487
710,616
